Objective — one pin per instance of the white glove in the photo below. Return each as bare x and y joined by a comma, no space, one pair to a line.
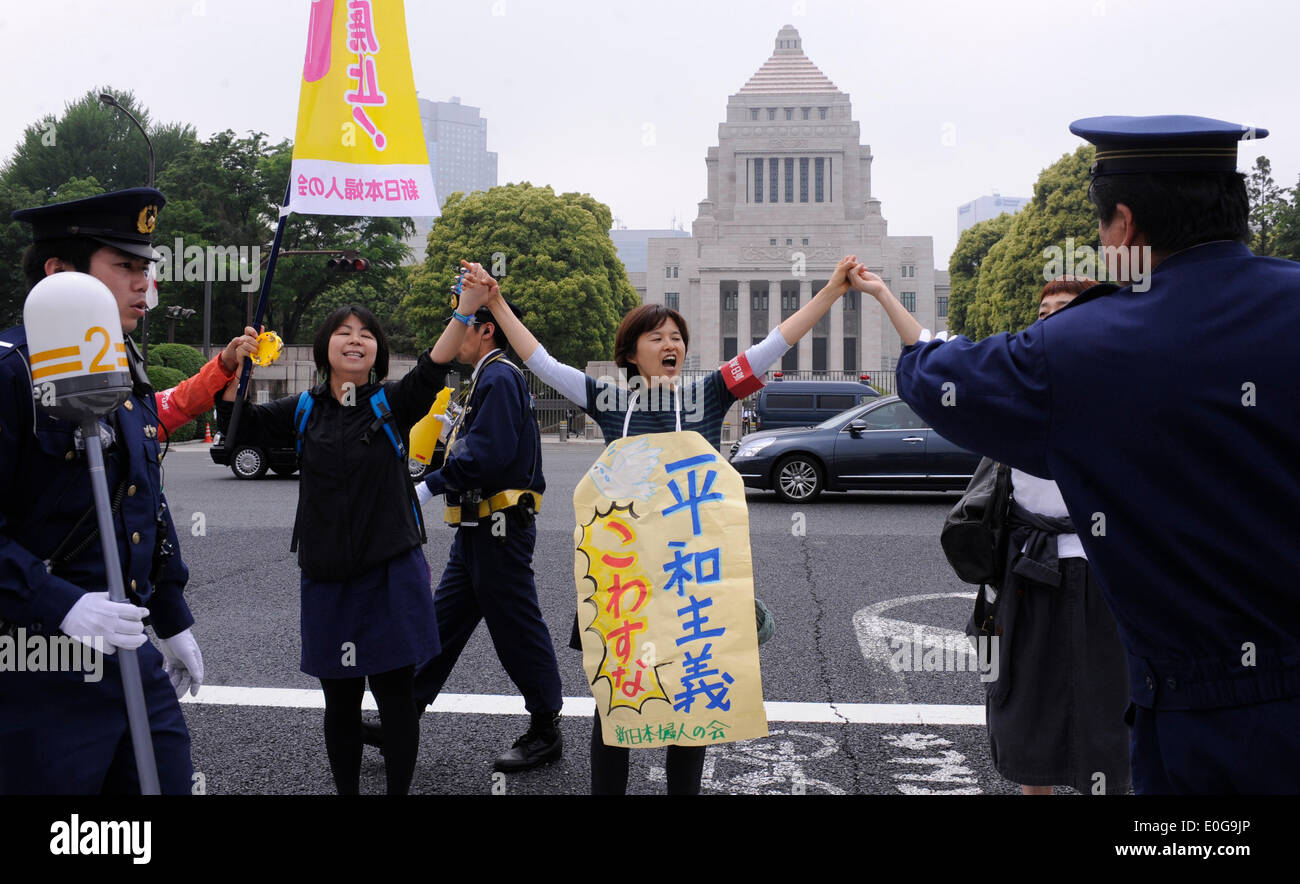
423,494
183,663
447,424
119,624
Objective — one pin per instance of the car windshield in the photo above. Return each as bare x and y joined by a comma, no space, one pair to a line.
845,416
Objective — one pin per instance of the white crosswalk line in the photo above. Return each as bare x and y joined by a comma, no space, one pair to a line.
501,704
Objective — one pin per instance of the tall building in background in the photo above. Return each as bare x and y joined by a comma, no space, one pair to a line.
789,194
633,248
987,207
456,137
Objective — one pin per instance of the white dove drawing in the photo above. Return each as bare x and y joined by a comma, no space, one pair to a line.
627,476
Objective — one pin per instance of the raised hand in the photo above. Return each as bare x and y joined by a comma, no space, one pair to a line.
839,281
244,345
864,280
476,287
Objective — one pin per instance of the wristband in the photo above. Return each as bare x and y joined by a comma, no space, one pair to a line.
468,320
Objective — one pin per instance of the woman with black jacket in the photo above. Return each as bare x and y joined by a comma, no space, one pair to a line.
367,605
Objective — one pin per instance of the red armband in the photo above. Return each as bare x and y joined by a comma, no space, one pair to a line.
740,378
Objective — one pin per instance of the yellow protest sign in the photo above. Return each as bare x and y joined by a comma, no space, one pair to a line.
666,594
359,147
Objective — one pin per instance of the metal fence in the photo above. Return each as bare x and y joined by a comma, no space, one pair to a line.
882,380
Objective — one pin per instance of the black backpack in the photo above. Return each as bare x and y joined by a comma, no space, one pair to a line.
974,533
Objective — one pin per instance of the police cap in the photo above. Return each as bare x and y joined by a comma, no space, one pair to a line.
1135,145
123,219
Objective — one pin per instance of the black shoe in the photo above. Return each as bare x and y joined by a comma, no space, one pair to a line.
372,728
541,744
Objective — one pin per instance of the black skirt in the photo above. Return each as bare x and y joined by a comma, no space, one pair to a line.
1061,722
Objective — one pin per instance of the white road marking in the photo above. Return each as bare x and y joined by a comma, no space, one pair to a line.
880,638
501,704
948,766
765,766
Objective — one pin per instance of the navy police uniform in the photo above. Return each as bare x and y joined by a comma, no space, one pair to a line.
496,448
59,732
1181,480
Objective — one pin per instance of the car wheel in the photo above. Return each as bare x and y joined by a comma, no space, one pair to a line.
797,479
249,462
416,468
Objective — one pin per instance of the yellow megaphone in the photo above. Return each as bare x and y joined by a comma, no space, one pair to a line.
425,434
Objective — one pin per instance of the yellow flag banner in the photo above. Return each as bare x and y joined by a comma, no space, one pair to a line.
359,147
666,594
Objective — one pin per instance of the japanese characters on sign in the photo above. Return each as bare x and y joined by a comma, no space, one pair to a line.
666,595
359,146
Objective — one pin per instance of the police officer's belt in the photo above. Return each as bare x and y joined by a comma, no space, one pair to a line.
531,500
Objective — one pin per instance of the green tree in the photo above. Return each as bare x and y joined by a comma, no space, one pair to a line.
1286,240
553,255
964,265
1060,218
1267,201
93,140
90,149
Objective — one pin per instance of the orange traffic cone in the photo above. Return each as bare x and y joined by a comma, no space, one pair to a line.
207,432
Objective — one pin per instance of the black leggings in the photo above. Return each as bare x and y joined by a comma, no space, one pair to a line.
392,692
609,766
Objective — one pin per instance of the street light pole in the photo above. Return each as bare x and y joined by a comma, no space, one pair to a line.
109,100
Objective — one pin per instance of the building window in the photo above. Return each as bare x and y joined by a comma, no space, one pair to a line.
789,179
753,113
758,181
819,171
675,268
772,241
850,354
672,300
789,242
789,298
758,300
909,300
806,112
851,299
819,354
771,113
789,113
790,361
772,174
942,303
821,113
668,273
728,349
805,240
803,179
908,271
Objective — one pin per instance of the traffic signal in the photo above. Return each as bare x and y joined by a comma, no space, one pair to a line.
347,264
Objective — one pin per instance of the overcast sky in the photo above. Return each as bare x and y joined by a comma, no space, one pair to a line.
568,86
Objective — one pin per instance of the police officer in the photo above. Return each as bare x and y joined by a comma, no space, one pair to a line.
492,478
1181,480
60,731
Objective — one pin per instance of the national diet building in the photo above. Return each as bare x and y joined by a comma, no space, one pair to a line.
788,195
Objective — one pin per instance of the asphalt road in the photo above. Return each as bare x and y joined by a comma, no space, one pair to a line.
828,657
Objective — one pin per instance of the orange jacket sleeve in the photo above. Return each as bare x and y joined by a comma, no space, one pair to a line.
192,396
